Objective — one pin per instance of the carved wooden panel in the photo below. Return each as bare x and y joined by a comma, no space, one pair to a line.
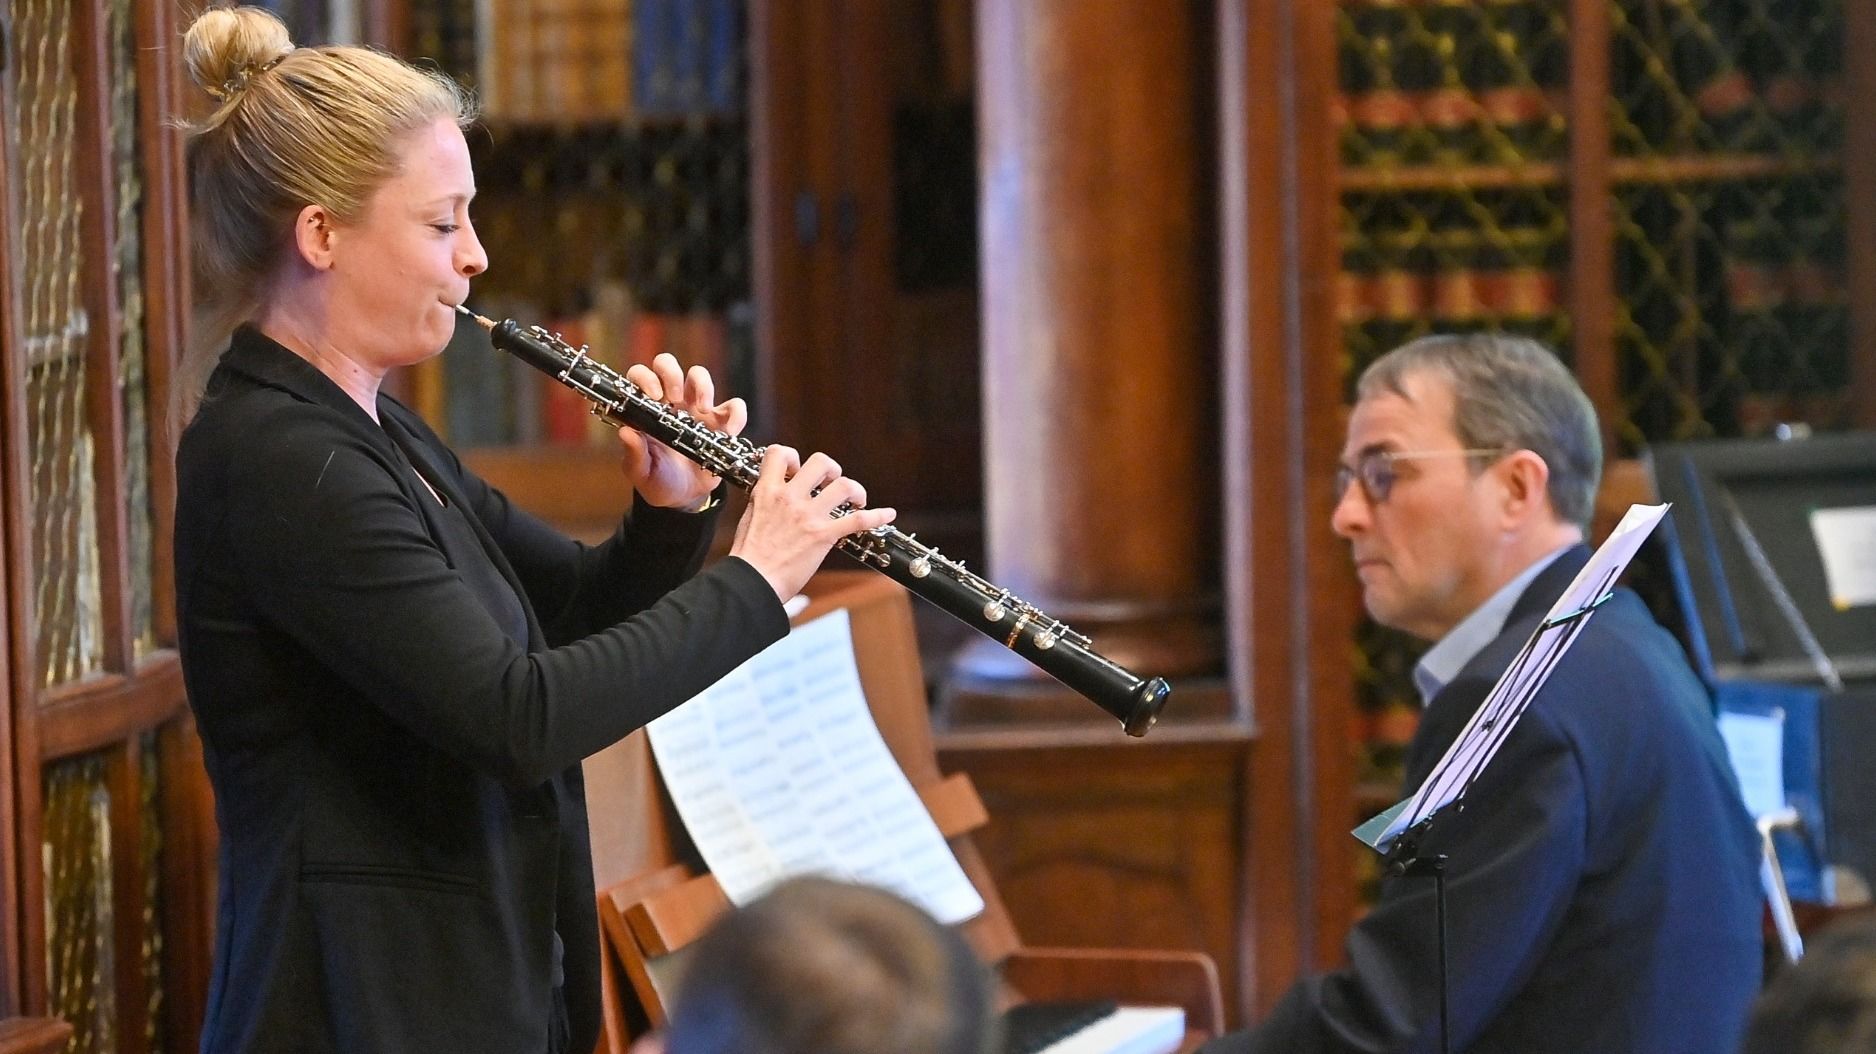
1121,845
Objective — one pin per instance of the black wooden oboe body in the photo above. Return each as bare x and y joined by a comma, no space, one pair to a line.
1052,646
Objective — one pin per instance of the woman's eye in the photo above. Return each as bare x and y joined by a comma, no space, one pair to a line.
446,228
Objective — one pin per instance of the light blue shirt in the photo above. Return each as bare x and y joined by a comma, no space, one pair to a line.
1444,660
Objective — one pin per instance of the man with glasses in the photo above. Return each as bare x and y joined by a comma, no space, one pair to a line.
1601,875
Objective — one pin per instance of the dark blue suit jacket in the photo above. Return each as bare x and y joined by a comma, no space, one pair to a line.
1602,882
394,698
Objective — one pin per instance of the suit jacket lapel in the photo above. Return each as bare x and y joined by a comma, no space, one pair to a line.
1448,711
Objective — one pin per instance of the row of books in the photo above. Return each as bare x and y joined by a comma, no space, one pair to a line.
489,398
1787,325
1453,257
1736,309
1450,83
1504,125
1729,75
568,61
1439,82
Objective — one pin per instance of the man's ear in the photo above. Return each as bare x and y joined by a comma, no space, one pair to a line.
1526,481
315,234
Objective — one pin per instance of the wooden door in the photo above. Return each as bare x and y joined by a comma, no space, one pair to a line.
866,256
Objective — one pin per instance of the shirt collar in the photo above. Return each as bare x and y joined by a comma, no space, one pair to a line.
1444,660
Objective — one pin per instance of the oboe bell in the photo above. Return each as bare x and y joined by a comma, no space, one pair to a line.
998,613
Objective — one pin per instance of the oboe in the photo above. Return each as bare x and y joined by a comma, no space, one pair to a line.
1051,645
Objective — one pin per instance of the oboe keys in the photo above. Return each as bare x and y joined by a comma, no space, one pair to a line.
1045,638
995,610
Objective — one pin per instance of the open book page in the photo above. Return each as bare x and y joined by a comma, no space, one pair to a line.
1494,719
778,770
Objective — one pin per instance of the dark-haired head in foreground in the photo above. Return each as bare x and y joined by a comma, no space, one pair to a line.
1825,1004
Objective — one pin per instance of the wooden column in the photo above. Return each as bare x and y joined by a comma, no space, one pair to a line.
1100,449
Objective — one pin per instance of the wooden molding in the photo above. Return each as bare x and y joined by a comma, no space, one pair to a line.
33,1035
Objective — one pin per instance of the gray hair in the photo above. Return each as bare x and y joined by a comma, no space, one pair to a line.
1509,393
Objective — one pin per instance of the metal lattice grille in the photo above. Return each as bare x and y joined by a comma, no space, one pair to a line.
150,947
80,955
1726,117
1451,261
1735,316
1730,257
1451,83
614,185
1388,704
1453,219
1727,76
68,602
127,263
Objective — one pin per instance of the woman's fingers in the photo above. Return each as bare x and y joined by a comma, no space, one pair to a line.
670,378
867,519
734,416
645,381
702,391
815,473
778,464
842,491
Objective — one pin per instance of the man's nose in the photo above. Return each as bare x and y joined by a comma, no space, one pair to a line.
1350,515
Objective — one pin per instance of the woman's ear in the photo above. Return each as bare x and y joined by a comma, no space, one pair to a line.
314,237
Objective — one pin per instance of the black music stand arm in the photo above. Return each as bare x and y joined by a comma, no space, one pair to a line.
1404,860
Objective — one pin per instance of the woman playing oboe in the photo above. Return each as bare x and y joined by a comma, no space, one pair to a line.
395,672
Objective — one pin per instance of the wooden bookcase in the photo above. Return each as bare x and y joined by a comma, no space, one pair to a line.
613,174
1675,193
800,218
1670,193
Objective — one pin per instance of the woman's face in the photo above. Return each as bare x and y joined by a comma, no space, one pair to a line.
399,272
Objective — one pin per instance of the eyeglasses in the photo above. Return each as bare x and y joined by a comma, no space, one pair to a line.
1375,469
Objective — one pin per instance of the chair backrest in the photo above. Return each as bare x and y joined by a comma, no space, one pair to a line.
650,920
653,900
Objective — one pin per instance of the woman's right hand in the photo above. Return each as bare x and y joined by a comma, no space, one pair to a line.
790,523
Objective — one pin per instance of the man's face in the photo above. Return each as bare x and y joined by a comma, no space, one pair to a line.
1424,553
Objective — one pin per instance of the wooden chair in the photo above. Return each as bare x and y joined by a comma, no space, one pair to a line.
648,919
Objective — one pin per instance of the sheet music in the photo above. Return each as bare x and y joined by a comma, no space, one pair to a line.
1846,542
1494,719
779,770
1128,1030
1755,743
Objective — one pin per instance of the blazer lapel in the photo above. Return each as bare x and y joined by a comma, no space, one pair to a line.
424,461
265,361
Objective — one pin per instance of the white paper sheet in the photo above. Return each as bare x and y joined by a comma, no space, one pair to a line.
1493,720
1846,539
779,770
1756,745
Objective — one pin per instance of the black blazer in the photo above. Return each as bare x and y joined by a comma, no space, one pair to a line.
394,697
1602,877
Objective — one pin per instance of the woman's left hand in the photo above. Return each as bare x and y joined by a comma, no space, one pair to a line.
663,476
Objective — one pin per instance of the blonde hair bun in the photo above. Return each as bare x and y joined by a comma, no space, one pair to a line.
227,45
